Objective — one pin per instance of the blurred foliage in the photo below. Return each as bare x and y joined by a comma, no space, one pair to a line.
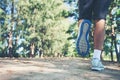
49,24
41,22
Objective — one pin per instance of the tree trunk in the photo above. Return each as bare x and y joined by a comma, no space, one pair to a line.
111,52
32,50
10,47
112,42
117,53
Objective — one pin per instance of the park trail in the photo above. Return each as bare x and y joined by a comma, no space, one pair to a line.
55,69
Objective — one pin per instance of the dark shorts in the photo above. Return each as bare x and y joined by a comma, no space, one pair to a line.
93,9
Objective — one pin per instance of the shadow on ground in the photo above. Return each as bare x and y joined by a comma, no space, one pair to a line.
55,69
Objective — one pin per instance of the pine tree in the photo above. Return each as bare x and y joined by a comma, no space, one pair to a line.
41,25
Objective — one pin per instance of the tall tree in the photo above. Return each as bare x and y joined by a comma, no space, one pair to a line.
41,24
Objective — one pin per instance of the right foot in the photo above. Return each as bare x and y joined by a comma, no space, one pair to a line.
97,65
82,43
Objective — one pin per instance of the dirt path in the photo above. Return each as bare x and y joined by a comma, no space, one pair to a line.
55,69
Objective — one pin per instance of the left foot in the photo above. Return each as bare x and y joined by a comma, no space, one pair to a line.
82,43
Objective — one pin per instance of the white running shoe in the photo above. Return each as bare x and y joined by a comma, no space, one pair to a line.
97,65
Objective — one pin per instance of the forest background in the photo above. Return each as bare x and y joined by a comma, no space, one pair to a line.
48,28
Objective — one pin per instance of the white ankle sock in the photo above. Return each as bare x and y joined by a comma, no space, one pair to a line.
97,54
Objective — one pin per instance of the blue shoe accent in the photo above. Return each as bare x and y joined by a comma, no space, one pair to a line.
82,43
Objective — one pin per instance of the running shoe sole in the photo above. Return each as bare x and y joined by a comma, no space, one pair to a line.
82,43
97,69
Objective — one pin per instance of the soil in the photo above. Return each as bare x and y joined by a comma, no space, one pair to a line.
55,69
